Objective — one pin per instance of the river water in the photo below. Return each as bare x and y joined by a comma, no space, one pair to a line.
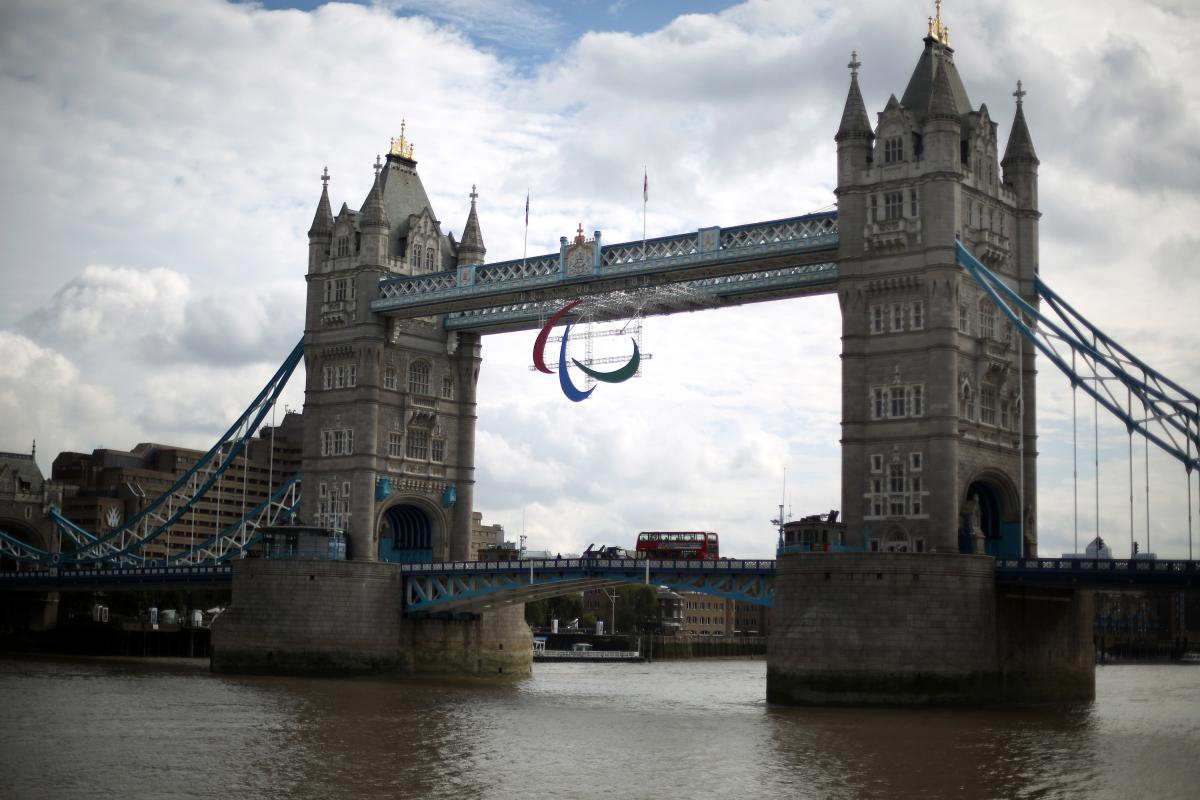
99,728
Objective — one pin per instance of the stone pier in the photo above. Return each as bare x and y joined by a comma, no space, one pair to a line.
344,618
911,629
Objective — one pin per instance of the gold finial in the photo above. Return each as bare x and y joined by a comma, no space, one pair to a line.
938,31
401,147
579,237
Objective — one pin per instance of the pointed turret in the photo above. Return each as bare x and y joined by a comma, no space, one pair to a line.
322,224
1020,146
373,224
855,122
321,233
942,104
1020,162
471,249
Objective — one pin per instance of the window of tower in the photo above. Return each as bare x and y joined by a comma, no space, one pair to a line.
968,402
918,315
447,388
893,205
876,462
395,444
916,400
893,150
343,246
418,377
914,204
897,394
437,450
964,318
897,316
987,405
876,319
878,403
987,318
874,208
418,444
389,377
429,259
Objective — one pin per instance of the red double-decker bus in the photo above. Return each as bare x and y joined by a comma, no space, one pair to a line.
678,544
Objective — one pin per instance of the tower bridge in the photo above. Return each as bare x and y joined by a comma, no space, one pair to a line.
933,255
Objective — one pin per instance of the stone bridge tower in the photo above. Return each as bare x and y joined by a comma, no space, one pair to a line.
389,407
938,431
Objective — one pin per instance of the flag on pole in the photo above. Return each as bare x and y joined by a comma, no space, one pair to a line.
645,185
527,208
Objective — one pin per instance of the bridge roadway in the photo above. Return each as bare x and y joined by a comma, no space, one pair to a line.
727,266
479,585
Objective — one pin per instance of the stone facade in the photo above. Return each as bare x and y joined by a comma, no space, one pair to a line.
389,403
936,452
343,617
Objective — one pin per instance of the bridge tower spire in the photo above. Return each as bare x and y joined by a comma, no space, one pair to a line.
936,455
389,409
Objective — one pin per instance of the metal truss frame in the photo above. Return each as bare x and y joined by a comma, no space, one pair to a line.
1169,415
461,585
119,545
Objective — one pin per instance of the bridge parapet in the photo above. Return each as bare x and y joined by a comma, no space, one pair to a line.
678,258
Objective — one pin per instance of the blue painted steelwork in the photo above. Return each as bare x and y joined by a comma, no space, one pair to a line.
708,248
116,577
1174,411
477,585
1100,573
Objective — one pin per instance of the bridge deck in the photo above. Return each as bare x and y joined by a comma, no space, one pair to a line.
778,258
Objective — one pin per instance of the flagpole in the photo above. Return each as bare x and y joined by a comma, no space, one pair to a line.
645,198
525,251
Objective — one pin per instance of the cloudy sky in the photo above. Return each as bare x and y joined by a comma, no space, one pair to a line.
161,161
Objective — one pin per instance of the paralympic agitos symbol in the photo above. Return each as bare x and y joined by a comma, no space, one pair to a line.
564,379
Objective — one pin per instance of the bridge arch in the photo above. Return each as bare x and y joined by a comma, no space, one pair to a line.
411,530
998,503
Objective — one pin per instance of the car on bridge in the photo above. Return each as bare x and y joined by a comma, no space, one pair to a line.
606,551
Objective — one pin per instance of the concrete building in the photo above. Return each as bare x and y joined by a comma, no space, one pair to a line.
706,615
388,399
106,487
486,538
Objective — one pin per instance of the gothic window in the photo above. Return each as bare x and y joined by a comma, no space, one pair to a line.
418,377
916,400
395,444
875,497
914,205
447,388
914,493
418,444
987,405
987,318
918,315
893,150
914,462
343,246
437,450
876,462
878,403
876,319
389,377
337,442
874,208
968,402
893,205
964,318
895,478
897,316
897,397
429,259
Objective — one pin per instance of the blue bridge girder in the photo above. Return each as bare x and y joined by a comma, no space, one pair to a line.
758,261
477,586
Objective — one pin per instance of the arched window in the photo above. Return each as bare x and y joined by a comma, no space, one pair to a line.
418,377
968,401
429,259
